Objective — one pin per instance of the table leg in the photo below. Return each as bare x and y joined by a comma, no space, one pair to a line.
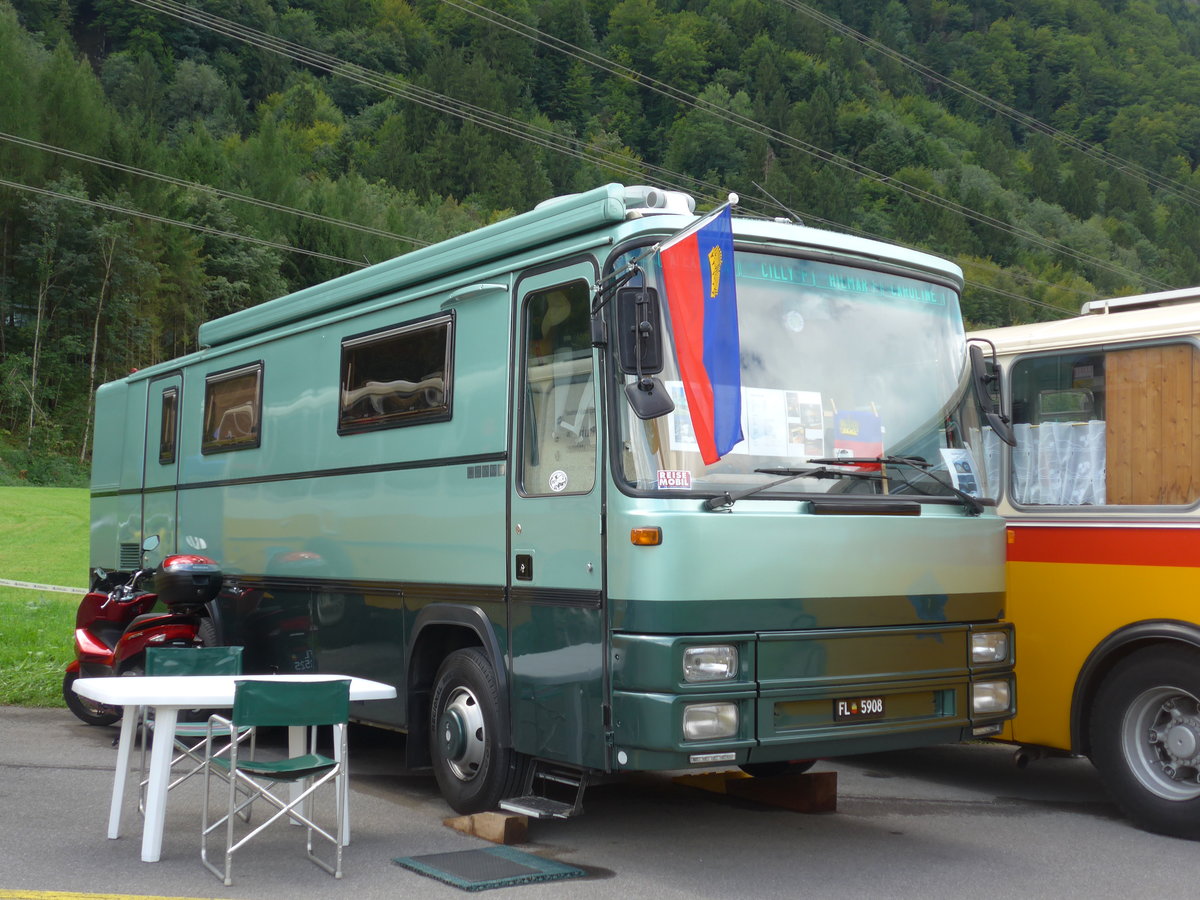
342,784
159,777
297,746
124,751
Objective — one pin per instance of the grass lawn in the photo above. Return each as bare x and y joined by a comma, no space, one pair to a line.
43,539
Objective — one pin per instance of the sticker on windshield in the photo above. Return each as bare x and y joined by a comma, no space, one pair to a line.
674,480
961,467
558,481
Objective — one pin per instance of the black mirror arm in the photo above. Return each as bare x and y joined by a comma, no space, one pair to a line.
982,381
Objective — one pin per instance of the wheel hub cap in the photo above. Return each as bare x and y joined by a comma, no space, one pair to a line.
1161,741
462,734
1180,742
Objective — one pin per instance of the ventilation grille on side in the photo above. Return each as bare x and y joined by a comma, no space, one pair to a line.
131,557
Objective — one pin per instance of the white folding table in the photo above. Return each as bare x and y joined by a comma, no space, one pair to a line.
166,695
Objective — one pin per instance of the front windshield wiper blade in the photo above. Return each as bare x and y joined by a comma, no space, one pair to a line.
970,504
726,500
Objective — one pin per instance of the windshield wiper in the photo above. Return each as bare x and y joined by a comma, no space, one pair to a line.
726,500
970,504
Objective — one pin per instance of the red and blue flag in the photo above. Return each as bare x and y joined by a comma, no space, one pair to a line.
698,278
858,434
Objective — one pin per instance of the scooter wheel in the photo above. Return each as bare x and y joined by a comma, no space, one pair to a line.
87,710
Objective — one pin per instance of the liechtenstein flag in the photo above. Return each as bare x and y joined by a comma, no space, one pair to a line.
697,271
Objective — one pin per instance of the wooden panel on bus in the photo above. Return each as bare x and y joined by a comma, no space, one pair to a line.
1152,425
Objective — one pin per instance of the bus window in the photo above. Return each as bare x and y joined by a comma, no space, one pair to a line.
232,409
169,415
1115,428
559,446
397,376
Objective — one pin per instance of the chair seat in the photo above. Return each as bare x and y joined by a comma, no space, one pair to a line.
292,769
200,729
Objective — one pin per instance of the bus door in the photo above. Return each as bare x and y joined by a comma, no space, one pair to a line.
160,505
556,614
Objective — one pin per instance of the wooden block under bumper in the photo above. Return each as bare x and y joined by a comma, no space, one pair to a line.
499,828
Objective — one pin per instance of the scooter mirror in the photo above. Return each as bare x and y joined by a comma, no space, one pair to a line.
150,543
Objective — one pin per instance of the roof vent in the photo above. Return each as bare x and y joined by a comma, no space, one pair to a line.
641,200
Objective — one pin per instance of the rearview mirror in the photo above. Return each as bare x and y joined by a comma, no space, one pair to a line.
639,341
983,379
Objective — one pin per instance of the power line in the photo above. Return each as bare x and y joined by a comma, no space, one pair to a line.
217,192
507,125
1125,166
745,122
523,130
204,229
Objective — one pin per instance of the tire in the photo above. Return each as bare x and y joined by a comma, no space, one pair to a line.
206,633
85,710
1145,734
774,769
473,771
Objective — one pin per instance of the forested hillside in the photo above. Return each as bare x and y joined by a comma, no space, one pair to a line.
162,163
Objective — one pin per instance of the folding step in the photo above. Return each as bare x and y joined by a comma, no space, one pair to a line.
551,791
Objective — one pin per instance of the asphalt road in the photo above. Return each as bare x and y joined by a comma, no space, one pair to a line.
941,822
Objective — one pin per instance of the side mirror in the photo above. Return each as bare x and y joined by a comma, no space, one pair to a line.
648,398
983,380
639,341
150,543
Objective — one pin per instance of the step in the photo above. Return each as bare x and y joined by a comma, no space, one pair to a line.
538,807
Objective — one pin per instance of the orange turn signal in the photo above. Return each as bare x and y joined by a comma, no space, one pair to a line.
647,536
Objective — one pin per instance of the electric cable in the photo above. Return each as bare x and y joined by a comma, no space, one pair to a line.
205,229
217,192
788,140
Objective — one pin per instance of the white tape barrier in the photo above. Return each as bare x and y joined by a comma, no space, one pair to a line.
4,582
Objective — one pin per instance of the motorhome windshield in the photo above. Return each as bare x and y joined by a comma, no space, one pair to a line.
836,361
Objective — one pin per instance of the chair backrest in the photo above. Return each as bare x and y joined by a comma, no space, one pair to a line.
193,660
291,702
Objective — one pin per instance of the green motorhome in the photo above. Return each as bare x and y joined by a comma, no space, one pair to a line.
470,471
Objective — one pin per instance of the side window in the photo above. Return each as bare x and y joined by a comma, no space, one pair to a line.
558,445
1112,428
397,376
232,409
170,421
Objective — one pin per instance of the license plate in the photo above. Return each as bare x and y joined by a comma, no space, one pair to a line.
853,709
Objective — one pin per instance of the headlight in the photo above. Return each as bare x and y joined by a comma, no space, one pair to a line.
990,697
989,646
719,663
709,721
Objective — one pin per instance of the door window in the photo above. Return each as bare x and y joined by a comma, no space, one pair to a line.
167,429
558,446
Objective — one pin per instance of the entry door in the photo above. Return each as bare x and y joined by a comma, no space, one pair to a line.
160,506
556,612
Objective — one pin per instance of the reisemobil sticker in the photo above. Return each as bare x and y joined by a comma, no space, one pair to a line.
674,479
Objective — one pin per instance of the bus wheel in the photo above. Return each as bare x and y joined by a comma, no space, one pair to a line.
473,771
1145,734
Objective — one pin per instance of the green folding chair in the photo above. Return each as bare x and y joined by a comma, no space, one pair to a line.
189,736
280,703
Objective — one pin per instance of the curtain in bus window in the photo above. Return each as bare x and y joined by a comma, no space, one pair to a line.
1059,464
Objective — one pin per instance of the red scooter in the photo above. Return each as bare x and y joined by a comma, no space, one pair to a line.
117,621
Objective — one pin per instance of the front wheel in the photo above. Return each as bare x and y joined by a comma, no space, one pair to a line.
473,769
85,710
1145,734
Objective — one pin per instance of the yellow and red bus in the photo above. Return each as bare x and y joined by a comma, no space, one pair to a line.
1102,498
